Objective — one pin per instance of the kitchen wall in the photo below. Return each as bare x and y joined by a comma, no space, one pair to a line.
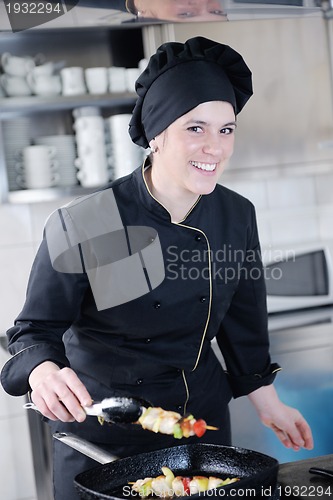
279,165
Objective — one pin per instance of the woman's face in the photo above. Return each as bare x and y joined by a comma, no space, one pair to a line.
194,150
181,10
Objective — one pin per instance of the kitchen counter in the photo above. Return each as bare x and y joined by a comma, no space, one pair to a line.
296,482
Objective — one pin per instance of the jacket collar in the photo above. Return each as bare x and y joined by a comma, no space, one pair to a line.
147,198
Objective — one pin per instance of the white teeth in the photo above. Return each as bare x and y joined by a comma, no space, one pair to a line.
208,167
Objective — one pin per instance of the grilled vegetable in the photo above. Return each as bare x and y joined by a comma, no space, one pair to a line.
198,484
170,422
168,485
143,487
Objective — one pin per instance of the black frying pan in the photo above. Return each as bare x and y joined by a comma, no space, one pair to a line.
258,472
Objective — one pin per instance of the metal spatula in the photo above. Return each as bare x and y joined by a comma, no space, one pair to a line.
120,410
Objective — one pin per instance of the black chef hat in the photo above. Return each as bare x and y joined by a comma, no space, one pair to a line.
179,77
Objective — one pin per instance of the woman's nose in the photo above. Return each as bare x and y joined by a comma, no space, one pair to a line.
213,145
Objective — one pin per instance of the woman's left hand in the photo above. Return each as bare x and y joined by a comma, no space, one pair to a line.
288,423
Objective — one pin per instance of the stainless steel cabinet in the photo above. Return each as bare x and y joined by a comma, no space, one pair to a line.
302,343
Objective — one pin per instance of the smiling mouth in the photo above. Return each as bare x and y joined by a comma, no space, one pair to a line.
206,167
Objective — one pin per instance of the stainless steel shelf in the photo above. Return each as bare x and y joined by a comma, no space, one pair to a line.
46,194
11,107
18,106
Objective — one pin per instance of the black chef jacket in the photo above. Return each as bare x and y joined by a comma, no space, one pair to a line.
157,345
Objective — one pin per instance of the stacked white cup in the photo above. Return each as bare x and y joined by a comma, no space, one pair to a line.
16,136
38,168
92,160
97,81
125,155
16,68
117,79
65,156
73,82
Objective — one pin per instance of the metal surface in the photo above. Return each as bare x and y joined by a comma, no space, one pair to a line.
90,13
11,107
41,445
84,447
295,481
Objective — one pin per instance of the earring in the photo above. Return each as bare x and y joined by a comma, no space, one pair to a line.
153,148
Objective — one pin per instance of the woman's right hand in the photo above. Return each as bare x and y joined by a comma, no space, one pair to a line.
58,393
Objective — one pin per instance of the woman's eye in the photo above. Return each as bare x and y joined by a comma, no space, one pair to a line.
185,15
195,128
227,130
218,12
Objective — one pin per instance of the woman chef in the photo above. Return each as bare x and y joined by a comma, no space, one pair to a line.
131,283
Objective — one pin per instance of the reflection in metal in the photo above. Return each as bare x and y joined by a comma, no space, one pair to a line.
99,13
155,11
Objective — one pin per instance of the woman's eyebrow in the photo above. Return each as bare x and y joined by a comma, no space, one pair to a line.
193,120
202,122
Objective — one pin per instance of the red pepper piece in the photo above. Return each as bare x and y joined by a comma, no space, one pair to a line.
186,484
199,427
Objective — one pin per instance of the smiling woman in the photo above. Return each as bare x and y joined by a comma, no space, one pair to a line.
191,155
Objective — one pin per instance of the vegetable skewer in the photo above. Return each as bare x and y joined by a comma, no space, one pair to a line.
169,422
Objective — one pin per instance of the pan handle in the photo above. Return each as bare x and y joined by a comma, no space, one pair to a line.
321,472
85,447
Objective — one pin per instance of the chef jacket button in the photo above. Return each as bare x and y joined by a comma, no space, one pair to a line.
179,370
198,237
179,407
157,305
202,299
148,341
139,381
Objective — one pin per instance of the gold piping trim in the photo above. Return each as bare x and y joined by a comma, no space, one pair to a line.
128,7
210,291
210,276
187,391
144,180
188,213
